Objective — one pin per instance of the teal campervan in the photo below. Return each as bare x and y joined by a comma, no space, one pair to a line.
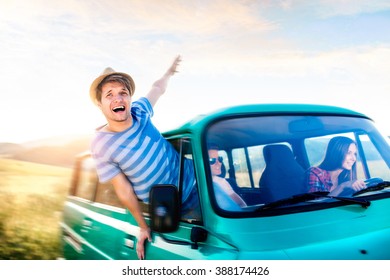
265,152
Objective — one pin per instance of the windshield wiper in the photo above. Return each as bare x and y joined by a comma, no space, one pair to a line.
378,187
295,199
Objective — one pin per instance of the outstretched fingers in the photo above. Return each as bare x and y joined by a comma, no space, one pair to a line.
173,69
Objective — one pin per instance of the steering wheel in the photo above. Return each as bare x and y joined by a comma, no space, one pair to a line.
373,181
372,185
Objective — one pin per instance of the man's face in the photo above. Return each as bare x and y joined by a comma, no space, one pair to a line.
115,102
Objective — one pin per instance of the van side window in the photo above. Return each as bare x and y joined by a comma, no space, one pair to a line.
88,185
375,162
316,147
105,194
184,145
87,179
248,166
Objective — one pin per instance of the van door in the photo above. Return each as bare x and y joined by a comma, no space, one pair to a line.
177,244
77,222
111,235
95,222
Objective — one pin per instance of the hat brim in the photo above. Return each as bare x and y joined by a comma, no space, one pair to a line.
98,80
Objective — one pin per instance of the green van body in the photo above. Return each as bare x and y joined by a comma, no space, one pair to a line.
96,226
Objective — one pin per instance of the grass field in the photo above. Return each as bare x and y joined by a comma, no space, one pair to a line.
32,197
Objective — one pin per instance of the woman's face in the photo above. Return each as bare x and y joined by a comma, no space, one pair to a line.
350,157
216,166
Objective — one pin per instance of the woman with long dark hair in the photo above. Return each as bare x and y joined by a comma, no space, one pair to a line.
337,172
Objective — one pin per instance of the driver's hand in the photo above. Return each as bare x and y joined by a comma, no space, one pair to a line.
358,185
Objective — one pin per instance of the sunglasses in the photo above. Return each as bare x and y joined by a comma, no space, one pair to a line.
214,160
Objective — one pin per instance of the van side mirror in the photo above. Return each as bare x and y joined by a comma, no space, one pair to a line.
164,208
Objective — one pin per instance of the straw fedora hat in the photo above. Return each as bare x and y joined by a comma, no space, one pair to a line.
108,71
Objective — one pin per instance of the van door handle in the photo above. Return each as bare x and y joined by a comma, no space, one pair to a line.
87,224
129,241
127,250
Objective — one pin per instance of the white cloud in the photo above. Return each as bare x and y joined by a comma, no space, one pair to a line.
51,50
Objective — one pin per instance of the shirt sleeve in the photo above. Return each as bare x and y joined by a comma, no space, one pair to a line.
224,200
223,185
106,170
314,181
144,106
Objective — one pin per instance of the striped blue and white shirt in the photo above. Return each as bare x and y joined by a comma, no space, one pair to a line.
142,154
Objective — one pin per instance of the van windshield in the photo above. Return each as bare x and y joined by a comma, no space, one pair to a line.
254,161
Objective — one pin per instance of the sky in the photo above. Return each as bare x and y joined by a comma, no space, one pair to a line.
333,52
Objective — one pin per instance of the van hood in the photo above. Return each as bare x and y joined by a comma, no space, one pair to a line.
343,232
370,246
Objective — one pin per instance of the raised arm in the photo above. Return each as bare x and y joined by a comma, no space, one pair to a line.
159,86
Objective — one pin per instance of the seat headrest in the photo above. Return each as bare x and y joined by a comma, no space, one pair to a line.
277,152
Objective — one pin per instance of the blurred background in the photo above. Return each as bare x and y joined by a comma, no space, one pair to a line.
234,52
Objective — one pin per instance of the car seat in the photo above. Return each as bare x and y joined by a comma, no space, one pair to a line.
283,176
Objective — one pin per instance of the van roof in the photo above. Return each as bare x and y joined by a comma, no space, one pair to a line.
197,123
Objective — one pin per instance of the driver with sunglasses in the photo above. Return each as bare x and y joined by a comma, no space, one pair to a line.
226,197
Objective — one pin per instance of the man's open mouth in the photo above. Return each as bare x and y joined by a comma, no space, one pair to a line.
118,109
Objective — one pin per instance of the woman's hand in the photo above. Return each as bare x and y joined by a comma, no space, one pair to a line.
348,188
358,185
355,186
